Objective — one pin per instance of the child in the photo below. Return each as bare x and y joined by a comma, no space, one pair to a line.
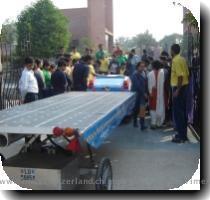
39,77
114,65
104,67
52,68
47,74
92,72
59,80
47,79
28,85
139,85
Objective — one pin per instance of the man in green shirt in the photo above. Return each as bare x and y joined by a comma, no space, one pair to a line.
47,78
100,54
122,60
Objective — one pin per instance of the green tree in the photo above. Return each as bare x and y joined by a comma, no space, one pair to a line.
9,32
190,19
126,43
43,28
85,42
169,40
141,41
144,41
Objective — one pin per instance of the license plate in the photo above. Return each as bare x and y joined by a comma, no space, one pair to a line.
27,174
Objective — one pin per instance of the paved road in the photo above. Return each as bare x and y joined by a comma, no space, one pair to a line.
148,160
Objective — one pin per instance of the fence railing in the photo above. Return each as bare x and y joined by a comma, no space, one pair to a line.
194,101
9,92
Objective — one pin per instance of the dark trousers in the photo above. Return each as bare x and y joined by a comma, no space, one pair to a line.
136,113
56,92
168,110
136,108
30,97
80,88
47,92
140,102
179,112
41,94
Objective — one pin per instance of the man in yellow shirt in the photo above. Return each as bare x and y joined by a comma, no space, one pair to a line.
179,84
75,55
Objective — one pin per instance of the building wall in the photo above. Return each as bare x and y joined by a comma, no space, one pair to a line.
78,22
97,23
94,22
109,15
109,24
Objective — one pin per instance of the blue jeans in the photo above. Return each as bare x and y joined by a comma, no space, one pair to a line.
179,112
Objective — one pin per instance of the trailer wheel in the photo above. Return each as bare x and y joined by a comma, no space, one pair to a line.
2,158
104,175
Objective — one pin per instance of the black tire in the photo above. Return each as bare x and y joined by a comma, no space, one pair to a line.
2,158
104,175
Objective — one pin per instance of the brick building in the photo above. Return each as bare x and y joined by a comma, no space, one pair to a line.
94,22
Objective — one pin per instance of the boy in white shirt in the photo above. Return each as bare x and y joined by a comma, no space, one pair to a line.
28,85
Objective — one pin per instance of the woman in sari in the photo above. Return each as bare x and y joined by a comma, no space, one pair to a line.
156,95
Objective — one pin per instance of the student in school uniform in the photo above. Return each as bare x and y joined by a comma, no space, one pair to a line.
28,85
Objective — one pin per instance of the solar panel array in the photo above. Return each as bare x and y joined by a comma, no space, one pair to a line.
74,109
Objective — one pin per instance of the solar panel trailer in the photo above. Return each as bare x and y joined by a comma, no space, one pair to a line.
44,162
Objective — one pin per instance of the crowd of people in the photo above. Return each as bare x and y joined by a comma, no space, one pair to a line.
160,85
164,89
72,71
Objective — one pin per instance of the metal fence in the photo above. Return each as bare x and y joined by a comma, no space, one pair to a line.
10,95
195,112
193,58
9,76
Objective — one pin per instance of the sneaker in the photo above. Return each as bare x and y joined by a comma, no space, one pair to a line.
178,140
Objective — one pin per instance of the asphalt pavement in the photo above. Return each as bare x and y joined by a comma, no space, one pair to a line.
149,160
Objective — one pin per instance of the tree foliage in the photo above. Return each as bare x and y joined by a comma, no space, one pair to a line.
9,32
145,40
169,40
191,41
44,27
191,20
126,43
141,41
85,42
